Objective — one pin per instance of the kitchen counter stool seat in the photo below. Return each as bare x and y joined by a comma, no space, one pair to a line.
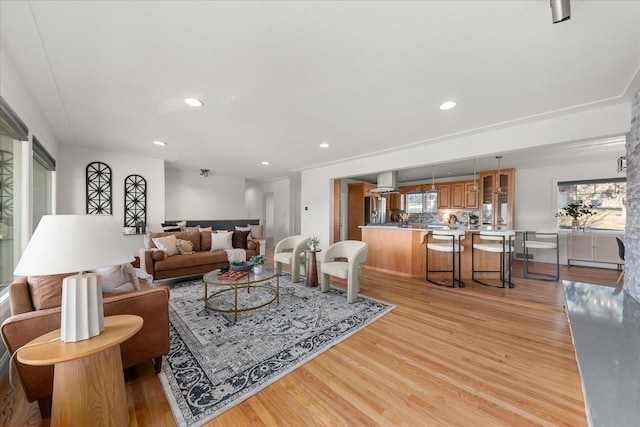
502,243
450,242
536,240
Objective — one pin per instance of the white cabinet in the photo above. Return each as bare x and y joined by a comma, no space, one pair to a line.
594,247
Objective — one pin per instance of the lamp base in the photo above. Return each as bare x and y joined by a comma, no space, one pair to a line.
82,310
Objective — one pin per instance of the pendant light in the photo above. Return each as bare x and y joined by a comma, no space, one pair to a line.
475,188
499,191
433,181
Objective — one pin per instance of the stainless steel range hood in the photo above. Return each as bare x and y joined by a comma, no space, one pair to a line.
387,182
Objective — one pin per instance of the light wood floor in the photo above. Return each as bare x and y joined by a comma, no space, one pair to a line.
476,356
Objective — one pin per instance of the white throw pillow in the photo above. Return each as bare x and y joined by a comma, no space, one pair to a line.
167,244
245,229
221,241
118,278
256,231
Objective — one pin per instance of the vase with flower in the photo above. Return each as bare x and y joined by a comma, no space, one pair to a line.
575,210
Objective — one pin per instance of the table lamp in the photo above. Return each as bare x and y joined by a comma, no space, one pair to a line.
69,243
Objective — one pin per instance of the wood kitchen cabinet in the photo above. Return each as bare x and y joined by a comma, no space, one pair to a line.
458,195
355,201
444,192
497,209
470,199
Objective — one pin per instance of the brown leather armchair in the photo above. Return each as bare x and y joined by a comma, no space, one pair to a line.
26,323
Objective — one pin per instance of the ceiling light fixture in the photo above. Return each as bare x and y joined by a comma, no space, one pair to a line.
204,173
448,105
475,188
324,145
194,102
265,163
158,142
433,181
499,191
560,10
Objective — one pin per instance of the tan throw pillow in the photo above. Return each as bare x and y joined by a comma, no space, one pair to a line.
256,232
184,247
46,291
205,229
245,229
118,278
192,229
220,241
167,244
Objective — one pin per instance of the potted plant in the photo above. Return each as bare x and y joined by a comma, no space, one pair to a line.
575,210
258,262
473,218
313,243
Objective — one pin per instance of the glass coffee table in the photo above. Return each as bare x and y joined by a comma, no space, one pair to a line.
248,282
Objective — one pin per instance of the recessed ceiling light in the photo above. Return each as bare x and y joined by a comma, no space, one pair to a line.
324,145
265,163
448,105
193,102
158,142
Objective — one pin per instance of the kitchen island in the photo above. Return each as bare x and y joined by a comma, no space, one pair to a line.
401,251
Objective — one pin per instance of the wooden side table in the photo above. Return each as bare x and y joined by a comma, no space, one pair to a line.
311,267
88,382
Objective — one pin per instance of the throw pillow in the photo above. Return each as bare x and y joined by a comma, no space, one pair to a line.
205,229
167,244
239,239
220,241
184,247
245,229
256,231
118,278
192,229
46,291
170,226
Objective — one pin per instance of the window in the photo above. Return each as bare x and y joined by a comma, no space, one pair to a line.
422,203
43,167
606,196
13,133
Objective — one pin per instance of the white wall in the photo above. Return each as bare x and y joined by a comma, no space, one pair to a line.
191,197
316,182
282,195
72,164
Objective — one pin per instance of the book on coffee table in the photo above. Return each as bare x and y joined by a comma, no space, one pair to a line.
233,275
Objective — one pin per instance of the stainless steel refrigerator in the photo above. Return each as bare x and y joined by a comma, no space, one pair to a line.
375,210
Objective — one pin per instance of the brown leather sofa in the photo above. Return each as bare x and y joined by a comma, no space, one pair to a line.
27,323
203,260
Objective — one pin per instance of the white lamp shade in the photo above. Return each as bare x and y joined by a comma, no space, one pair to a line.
73,243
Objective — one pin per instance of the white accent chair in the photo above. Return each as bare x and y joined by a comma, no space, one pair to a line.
290,250
355,252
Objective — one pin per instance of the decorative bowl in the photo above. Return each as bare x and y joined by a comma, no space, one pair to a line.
241,266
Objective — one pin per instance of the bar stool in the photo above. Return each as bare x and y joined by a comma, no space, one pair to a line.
504,246
535,240
453,245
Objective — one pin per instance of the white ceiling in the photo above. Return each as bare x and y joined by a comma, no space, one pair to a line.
278,78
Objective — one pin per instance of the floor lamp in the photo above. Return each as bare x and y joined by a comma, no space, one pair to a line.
69,243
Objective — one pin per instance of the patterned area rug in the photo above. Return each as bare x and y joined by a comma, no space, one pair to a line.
214,363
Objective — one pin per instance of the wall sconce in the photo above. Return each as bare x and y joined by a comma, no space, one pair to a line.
204,173
622,164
